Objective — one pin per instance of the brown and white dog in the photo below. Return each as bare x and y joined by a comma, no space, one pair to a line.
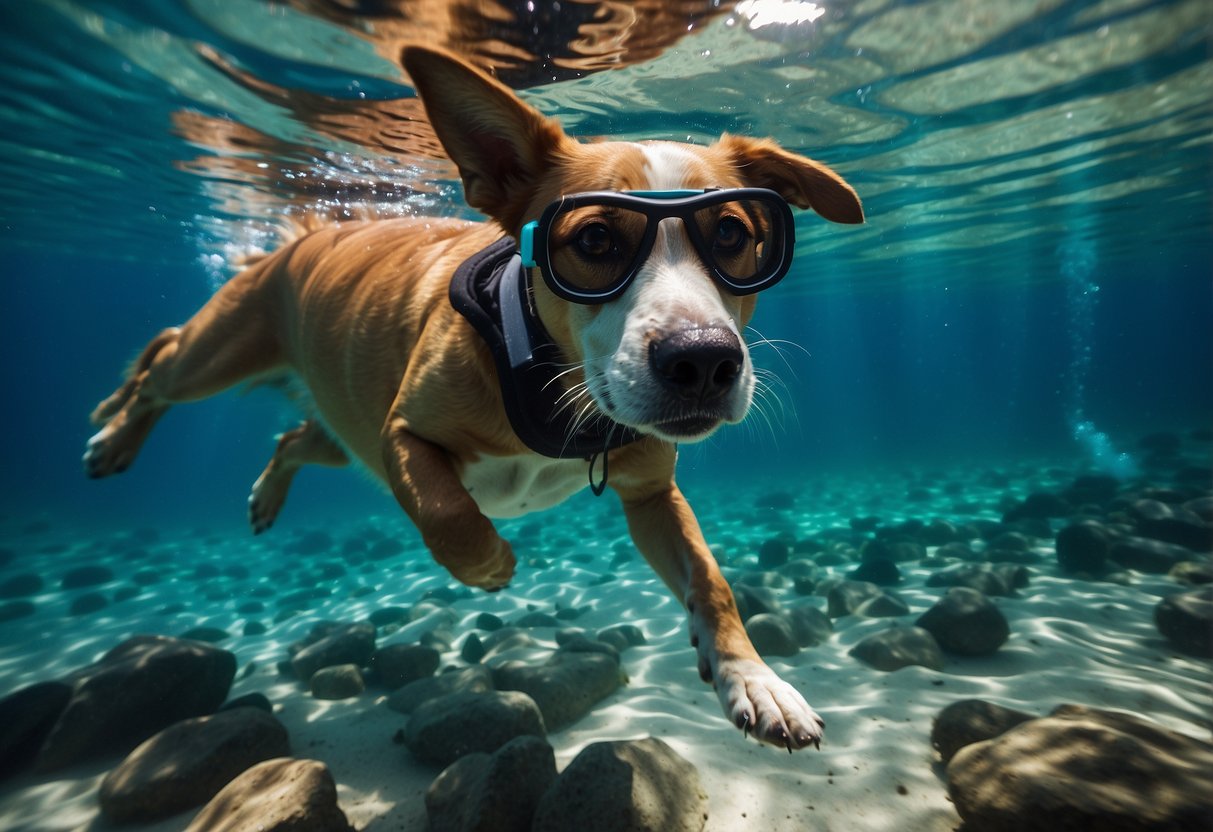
359,314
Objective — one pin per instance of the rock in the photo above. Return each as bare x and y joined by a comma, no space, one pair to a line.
960,550
399,664
496,792
20,586
622,636
1186,620
581,643
754,600
537,619
250,700
966,622
772,635
811,625
188,763
1038,505
1192,572
339,681
473,649
210,635
899,647
773,552
884,605
16,609
348,644
1172,524
442,730
387,616
488,622
566,687
626,786
476,679
88,603
1095,489
971,720
26,717
1083,547
982,577
1083,768
938,532
896,549
254,628
844,598
1147,555
880,571
280,795
140,687
83,576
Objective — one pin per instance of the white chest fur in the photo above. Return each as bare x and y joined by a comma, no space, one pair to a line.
513,486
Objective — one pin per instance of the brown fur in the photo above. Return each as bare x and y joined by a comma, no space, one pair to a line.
359,313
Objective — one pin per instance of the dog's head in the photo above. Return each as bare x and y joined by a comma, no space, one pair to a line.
665,355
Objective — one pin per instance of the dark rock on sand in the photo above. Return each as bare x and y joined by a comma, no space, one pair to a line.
622,636
1172,524
899,647
879,571
26,717
339,681
488,622
83,576
140,687
582,643
250,700
343,644
966,622
811,625
772,635
754,600
1192,572
476,679
774,552
971,720
1147,555
1038,505
845,597
387,616
537,619
496,792
896,549
279,795
566,687
1083,768
441,731
884,605
959,549
254,628
16,609
211,635
1083,547
473,649
637,786
88,603
188,763
20,586
985,578
399,664
1186,620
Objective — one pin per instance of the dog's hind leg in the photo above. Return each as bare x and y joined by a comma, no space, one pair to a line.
307,444
231,339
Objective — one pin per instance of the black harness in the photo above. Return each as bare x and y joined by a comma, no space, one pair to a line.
490,290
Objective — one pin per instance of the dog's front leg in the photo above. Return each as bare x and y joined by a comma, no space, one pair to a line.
423,478
753,697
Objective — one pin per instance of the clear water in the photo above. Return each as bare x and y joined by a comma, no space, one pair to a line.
1032,286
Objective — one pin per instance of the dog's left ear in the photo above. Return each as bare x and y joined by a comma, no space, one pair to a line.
500,144
801,181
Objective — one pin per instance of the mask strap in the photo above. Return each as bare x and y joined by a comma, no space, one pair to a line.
600,486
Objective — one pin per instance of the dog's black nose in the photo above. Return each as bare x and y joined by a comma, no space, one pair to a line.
700,365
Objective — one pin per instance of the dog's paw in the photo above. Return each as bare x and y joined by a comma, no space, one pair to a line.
491,573
760,703
103,456
264,503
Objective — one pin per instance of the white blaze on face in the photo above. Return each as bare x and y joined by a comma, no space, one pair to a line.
673,291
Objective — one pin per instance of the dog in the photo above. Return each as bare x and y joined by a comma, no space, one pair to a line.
491,369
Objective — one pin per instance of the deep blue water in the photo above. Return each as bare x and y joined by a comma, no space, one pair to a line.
1037,248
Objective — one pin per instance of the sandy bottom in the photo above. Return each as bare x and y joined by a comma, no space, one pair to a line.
1072,641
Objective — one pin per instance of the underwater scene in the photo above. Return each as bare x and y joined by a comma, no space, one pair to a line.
956,564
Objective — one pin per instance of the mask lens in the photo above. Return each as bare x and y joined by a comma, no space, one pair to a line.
593,248
743,239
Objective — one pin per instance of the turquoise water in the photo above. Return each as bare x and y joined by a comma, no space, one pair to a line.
1030,297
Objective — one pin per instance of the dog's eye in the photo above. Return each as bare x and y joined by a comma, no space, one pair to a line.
731,235
594,240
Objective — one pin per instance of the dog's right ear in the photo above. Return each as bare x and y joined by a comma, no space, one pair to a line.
500,144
